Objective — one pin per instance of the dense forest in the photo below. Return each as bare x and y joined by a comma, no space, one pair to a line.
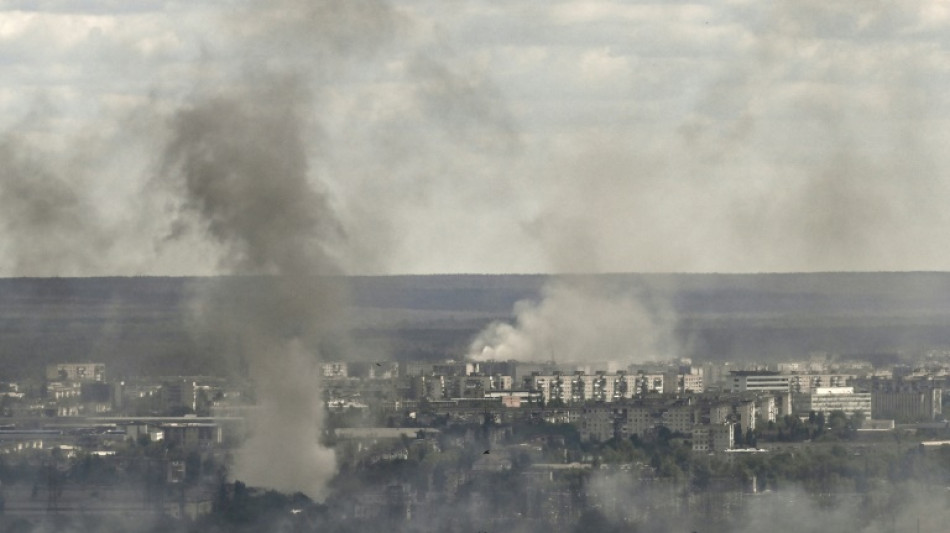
148,326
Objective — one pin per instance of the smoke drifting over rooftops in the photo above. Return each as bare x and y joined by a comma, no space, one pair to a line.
579,321
805,151
307,138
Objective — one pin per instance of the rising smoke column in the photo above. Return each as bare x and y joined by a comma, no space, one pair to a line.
241,167
240,159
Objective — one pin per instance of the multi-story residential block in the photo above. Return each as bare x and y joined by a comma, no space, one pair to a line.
805,383
179,394
76,372
649,384
679,418
601,387
416,368
765,408
433,387
745,413
581,387
578,387
719,413
454,368
716,375
336,369
387,370
500,382
637,420
759,381
783,404
721,410
624,386
471,386
713,437
634,417
723,437
828,399
600,423
553,388
691,383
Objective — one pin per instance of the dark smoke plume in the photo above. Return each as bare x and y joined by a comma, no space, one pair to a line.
240,160
241,169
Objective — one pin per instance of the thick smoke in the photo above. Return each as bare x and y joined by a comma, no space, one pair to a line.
243,174
577,321
50,228
799,150
728,136
241,163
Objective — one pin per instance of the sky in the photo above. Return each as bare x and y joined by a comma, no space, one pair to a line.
490,137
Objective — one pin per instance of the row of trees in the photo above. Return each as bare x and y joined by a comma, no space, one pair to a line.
836,426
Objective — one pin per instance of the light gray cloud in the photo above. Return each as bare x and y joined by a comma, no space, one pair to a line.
486,137
580,321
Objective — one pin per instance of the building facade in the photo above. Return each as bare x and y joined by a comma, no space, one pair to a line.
828,399
759,381
76,372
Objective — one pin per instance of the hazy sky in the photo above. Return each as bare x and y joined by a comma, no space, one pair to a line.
478,136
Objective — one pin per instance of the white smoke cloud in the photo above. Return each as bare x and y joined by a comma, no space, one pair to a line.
577,321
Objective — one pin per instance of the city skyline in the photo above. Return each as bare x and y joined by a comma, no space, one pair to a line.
220,220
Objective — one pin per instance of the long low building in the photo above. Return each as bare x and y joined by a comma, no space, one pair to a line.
383,433
828,399
908,405
759,381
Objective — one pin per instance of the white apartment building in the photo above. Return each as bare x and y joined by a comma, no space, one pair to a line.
803,383
759,381
649,384
828,399
580,387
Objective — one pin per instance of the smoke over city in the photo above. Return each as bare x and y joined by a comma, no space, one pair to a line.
243,176
578,321
777,161
240,162
453,140
299,142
